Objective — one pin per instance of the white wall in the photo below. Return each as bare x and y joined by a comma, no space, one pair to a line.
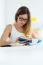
8,9
2,16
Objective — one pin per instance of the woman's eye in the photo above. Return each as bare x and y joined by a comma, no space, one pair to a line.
21,19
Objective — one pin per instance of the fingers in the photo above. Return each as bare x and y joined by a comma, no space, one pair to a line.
24,42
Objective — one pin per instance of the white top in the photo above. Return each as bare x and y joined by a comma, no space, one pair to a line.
15,34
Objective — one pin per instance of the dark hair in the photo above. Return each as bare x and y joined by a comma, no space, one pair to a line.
22,10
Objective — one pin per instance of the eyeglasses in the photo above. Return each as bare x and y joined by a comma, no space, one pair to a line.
22,19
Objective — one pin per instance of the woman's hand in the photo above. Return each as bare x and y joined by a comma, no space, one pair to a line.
28,37
34,35
24,42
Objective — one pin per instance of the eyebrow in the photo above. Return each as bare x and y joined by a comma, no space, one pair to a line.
24,18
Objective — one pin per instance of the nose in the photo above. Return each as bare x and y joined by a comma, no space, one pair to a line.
23,22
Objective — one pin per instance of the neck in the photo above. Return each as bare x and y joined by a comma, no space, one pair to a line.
18,27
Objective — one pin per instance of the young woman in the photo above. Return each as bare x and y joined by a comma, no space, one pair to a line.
21,27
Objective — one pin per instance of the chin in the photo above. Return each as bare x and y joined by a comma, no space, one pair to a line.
21,25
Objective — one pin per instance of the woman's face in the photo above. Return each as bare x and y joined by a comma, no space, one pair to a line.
22,19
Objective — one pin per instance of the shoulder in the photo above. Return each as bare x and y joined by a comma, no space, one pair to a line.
7,30
8,27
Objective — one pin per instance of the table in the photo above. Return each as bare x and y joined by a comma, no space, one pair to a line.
22,55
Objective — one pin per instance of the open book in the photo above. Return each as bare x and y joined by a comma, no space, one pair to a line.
24,39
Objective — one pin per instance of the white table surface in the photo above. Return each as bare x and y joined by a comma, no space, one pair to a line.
22,55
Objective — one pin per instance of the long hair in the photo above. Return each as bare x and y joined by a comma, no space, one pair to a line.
24,10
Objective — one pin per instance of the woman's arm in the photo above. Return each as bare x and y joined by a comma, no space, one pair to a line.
34,35
5,35
31,35
2,42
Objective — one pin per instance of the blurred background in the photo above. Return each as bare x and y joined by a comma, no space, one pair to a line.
8,9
